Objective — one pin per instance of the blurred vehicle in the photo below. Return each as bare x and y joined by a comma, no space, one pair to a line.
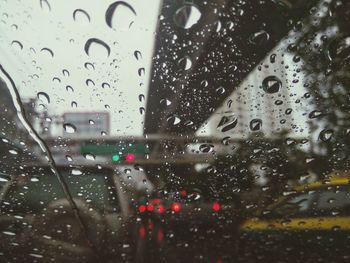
38,220
189,217
312,221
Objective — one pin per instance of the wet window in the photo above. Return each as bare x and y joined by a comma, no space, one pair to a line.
174,131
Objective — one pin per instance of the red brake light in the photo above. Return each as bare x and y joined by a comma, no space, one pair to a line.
142,208
216,207
176,207
150,208
160,209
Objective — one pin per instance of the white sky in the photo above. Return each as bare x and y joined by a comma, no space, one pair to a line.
37,27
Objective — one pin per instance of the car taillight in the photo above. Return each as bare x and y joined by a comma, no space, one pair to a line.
150,208
176,207
160,209
142,208
216,207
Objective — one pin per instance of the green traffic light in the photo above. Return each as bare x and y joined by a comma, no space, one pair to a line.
116,158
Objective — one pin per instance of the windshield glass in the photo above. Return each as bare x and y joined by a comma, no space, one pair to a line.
174,130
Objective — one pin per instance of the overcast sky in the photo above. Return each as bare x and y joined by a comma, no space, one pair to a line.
42,28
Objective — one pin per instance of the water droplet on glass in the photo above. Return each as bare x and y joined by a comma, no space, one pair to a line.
43,97
105,85
89,66
76,171
69,158
69,88
91,122
218,26
272,58
116,8
34,179
226,140
17,45
141,97
142,110
271,84
74,104
278,102
47,51
220,90
89,157
227,123
255,124
14,152
97,43
259,38
339,49
165,102
4,179
229,103
173,120
8,233
188,123
290,141
206,148
141,72
65,73
45,5
184,63
326,135
137,55
187,16
204,83
288,111
56,79
81,16
89,82
69,128
315,114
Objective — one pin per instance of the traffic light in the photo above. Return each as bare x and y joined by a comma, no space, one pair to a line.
130,157
115,158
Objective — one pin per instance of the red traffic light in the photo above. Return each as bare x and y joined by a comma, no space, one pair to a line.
130,157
